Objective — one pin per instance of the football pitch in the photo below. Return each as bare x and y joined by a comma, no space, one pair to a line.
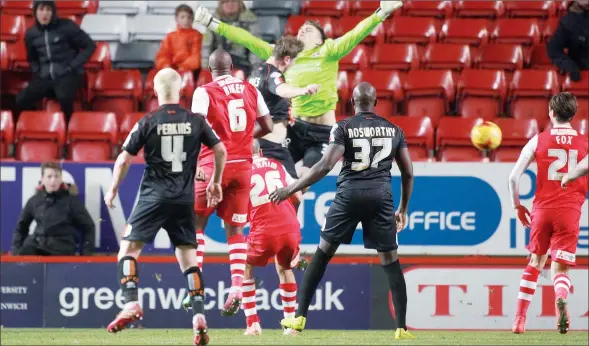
10,336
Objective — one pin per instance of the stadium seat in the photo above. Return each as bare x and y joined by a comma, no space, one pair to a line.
101,59
19,8
419,134
363,7
357,59
12,28
453,139
76,8
335,8
420,30
168,7
515,134
481,93
429,93
270,28
530,93
539,58
394,56
472,31
538,8
204,77
129,8
583,107
117,91
549,27
4,58
13,82
294,23
39,136
389,89
150,99
524,31
507,57
578,123
6,132
477,9
135,55
580,88
145,27
348,23
91,136
446,56
275,8
129,120
17,55
343,92
420,8
106,27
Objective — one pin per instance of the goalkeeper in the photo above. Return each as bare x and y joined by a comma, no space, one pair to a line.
318,63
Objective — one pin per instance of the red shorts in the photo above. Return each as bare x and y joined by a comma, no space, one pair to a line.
236,183
557,230
284,247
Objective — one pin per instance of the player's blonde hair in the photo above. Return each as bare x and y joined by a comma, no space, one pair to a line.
167,83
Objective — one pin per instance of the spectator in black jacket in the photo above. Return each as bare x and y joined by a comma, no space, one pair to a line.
59,214
57,50
573,34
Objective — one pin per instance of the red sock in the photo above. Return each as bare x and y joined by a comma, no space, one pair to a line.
527,287
237,257
248,303
288,293
562,286
200,249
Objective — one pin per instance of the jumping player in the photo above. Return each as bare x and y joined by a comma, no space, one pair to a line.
317,63
237,112
579,171
556,212
171,137
275,233
368,144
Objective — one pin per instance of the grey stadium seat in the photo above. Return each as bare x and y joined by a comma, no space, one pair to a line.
122,7
168,7
282,8
145,27
270,28
135,55
106,27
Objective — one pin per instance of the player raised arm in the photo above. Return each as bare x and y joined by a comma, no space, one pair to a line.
405,165
264,124
580,170
525,158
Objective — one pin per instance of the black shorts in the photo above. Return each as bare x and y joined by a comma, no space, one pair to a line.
307,141
279,153
148,217
373,207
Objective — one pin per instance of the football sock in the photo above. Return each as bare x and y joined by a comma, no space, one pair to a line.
200,249
562,286
196,290
313,276
237,257
527,287
128,278
249,302
398,291
288,293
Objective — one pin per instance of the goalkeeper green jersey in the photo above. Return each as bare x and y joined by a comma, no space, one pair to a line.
314,66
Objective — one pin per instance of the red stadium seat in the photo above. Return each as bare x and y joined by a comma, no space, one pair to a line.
357,59
22,8
336,8
583,108
204,77
516,133
150,99
549,27
389,90
92,135
343,92
419,134
488,9
501,56
363,7
40,136
447,56
129,120
12,28
391,56
117,91
580,88
13,82
346,24
537,8
4,59
530,93
420,8
470,31
6,132
18,56
429,93
453,139
411,30
294,23
78,8
481,93
578,123
100,59
523,31
539,58
563,9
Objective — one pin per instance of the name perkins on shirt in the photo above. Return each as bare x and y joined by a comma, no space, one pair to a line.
379,131
172,129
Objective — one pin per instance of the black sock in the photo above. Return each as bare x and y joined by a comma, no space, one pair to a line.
196,289
129,278
398,291
313,276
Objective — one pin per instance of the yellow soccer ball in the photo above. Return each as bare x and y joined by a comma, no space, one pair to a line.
486,136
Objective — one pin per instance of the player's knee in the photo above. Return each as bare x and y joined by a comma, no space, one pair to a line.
127,270
537,261
388,257
194,282
328,248
129,249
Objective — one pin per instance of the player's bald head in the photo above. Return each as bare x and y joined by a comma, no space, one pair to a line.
364,96
220,62
256,147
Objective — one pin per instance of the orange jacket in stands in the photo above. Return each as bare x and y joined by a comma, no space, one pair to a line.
180,50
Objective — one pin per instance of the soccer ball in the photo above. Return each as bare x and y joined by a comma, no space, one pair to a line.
486,136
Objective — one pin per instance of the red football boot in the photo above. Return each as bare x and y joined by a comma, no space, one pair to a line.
199,323
519,324
131,312
232,303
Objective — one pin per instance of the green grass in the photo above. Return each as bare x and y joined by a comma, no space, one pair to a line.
274,337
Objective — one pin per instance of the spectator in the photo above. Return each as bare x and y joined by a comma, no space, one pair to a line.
572,34
180,49
232,12
58,213
57,50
